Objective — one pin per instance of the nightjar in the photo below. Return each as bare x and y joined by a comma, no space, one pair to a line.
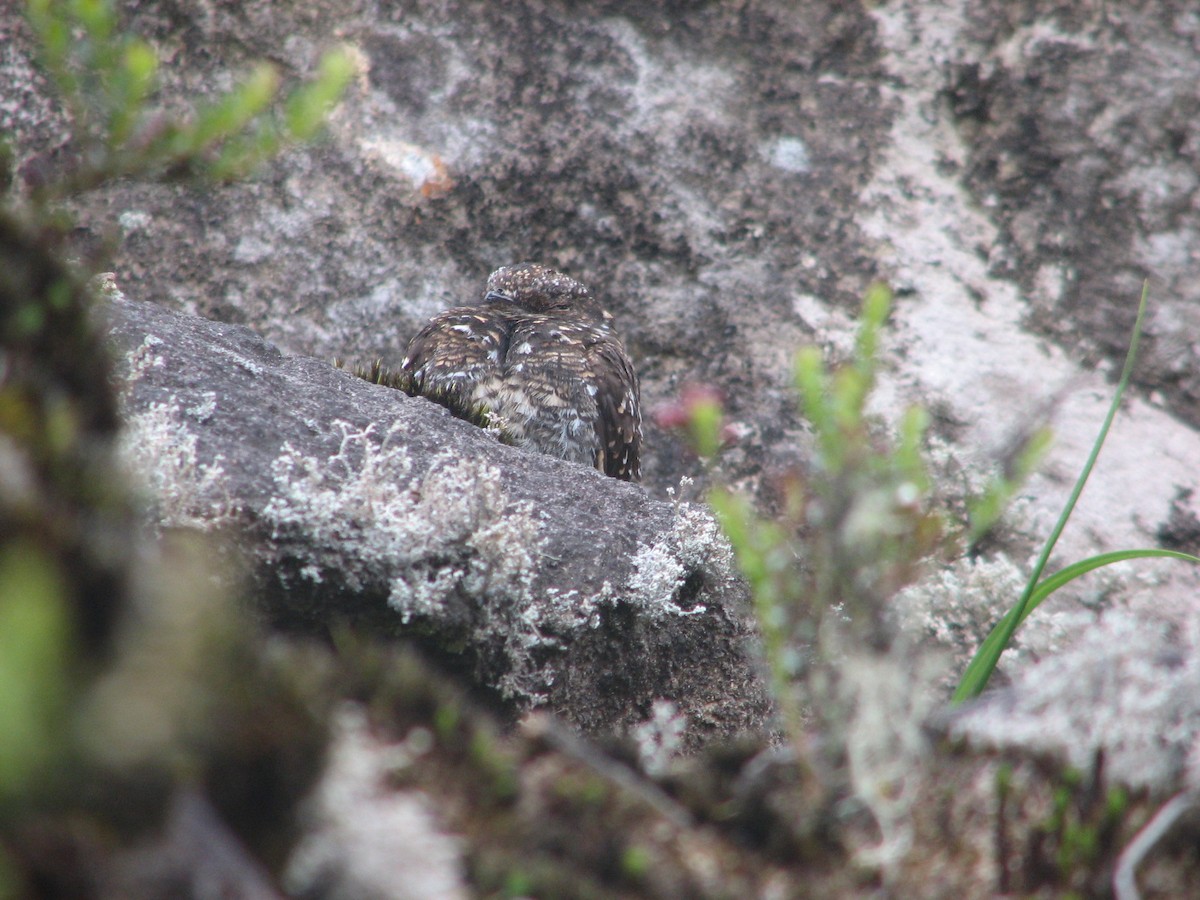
540,355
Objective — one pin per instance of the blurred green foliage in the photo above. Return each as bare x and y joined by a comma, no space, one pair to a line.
35,653
108,78
856,524
80,642
858,521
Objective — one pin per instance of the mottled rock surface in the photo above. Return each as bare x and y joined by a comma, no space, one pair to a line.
545,580
728,178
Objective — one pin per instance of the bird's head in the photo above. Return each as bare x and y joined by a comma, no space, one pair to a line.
540,289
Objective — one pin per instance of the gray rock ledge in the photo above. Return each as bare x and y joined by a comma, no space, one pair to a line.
546,581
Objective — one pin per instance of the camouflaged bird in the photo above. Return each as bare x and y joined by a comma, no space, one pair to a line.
540,354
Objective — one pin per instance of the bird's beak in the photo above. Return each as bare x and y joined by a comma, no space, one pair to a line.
496,297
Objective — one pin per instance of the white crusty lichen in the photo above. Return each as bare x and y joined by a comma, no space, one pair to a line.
1127,692
449,545
659,738
694,543
159,453
958,605
447,541
450,531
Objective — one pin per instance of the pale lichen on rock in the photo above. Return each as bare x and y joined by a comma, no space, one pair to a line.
1126,692
159,453
450,544
359,506
693,548
452,534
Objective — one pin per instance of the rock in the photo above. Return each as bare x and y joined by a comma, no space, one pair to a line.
1137,713
729,178
548,581
369,840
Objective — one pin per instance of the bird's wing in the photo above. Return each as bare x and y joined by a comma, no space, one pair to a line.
619,423
455,350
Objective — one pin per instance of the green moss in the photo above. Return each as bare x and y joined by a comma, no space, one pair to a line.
494,766
446,720
583,791
517,884
1117,801
1004,777
1074,846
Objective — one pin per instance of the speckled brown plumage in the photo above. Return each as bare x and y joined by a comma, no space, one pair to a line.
540,353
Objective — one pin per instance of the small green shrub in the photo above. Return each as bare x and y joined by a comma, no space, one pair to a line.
858,522
107,80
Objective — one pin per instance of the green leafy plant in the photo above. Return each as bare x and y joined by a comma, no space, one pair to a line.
855,524
108,78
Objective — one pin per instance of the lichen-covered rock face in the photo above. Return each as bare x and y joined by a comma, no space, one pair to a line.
552,584
613,143
727,179
1083,140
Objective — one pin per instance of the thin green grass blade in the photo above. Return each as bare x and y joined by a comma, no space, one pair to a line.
1066,575
977,673
983,670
